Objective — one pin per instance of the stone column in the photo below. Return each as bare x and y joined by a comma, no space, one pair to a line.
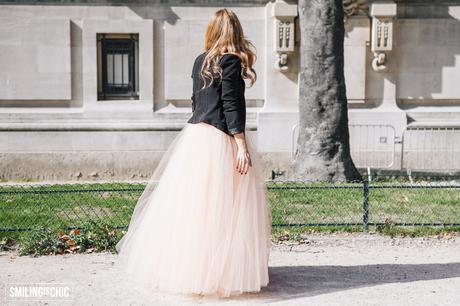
280,112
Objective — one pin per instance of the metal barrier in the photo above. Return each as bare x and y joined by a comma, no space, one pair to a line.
371,145
423,148
383,201
431,148
294,136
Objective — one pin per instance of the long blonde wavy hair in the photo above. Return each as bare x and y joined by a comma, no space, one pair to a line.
224,34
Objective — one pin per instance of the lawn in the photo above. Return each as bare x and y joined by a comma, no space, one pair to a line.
315,204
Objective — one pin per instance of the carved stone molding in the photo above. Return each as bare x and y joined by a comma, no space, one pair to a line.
355,7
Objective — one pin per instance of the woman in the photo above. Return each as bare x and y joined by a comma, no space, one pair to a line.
205,227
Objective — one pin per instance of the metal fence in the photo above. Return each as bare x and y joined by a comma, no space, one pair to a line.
431,148
372,145
416,148
382,201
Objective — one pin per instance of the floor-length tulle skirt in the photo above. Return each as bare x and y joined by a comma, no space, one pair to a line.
200,227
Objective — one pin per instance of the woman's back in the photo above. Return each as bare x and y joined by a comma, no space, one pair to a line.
207,187
222,104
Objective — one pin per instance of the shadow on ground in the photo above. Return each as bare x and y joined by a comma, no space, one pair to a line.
290,282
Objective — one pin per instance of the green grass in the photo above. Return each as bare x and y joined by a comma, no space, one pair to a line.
297,208
67,205
343,203
301,233
315,203
416,231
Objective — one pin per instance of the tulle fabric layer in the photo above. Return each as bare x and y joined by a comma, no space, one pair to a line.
200,227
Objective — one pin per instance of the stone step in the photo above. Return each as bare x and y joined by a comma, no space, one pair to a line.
56,122
251,115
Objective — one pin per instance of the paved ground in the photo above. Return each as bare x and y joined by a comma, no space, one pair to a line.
343,269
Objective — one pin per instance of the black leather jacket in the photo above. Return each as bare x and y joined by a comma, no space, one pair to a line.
222,104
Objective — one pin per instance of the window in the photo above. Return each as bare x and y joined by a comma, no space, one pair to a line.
117,66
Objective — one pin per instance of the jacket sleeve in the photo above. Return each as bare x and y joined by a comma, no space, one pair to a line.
193,96
233,102
193,102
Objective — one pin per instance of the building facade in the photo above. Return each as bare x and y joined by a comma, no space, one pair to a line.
99,89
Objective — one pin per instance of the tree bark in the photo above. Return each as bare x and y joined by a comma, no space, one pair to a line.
323,148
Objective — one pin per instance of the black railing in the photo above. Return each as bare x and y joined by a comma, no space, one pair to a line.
380,202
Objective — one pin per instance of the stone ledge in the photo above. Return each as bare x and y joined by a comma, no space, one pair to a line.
136,2
87,165
95,126
99,122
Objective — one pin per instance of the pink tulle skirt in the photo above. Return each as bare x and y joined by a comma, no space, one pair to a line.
200,227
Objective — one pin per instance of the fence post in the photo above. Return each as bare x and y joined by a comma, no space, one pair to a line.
365,205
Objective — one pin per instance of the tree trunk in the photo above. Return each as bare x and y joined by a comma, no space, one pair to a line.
323,147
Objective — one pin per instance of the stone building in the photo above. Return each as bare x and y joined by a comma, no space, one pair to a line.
99,89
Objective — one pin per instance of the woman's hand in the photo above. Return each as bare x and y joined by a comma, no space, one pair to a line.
243,159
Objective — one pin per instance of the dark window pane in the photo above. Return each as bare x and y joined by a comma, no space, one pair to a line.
118,68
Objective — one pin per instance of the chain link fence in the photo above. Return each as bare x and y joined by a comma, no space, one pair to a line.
384,200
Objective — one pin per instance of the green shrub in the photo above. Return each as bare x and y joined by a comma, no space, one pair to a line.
92,237
41,241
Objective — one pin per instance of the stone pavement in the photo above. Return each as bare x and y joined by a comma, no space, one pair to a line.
340,269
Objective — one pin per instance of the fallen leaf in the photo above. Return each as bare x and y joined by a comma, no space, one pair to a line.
75,232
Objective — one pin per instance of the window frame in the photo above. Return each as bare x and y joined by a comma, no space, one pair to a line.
129,44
